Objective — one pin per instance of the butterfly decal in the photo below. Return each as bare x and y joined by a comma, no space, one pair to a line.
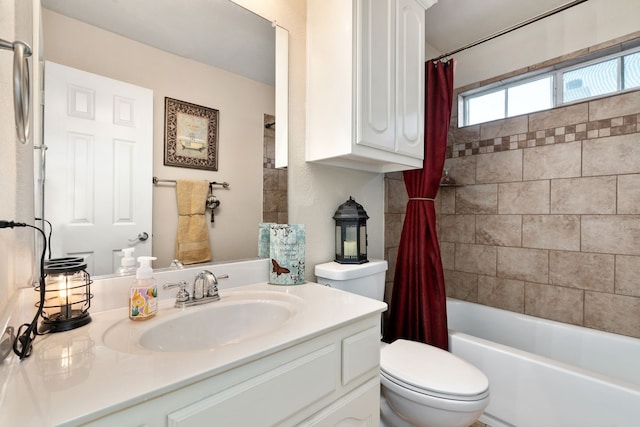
277,269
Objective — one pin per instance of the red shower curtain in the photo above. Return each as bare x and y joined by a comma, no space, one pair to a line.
418,308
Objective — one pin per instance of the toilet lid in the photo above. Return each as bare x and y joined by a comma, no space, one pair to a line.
431,369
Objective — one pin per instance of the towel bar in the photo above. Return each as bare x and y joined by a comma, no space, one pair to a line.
21,86
156,180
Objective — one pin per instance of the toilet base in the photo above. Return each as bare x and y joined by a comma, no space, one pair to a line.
388,418
426,416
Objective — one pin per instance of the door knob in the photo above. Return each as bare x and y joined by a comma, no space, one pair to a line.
141,237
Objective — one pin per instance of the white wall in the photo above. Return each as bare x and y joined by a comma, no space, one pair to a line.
16,253
316,191
7,160
580,27
242,104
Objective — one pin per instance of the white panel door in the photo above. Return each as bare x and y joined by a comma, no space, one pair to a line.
98,184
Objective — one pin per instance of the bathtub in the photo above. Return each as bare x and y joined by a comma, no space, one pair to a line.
546,373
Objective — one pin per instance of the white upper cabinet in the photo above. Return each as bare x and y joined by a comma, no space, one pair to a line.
365,83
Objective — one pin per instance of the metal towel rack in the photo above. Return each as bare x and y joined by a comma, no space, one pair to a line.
21,86
156,180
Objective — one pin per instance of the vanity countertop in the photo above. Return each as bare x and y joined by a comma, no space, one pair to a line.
73,377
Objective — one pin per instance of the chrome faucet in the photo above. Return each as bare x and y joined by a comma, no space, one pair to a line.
204,290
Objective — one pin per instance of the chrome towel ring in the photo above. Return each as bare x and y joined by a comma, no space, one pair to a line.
21,86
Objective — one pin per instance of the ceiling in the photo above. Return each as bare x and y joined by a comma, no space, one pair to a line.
223,34
215,32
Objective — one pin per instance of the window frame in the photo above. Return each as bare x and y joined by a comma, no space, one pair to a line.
556,73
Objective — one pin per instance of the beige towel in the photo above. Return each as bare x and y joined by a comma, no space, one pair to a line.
192,240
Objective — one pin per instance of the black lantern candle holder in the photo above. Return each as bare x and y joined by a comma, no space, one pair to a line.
67,295
351,233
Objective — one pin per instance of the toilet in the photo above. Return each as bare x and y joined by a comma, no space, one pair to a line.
421,385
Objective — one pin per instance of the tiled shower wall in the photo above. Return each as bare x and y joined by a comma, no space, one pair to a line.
547,221
274,187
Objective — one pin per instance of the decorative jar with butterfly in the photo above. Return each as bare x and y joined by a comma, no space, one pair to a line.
287,253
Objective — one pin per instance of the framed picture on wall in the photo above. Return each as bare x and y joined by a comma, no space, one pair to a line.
190,135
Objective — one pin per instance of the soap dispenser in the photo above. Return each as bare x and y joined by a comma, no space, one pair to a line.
143,296
128,262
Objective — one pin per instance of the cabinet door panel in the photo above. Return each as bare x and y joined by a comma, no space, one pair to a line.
360,408
410,79
360,354
376,69
267,399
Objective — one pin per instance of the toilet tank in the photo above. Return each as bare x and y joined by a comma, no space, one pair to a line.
363,279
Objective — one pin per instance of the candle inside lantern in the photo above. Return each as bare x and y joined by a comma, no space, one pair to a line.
63,297
350,248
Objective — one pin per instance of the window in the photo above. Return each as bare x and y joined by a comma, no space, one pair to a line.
631,71
486,107
590,79
513,100
528,97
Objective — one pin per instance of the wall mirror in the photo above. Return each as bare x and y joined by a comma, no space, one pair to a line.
212,53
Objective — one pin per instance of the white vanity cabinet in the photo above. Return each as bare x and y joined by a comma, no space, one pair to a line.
365,83
324,381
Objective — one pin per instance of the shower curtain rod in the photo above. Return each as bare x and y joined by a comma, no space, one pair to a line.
512,28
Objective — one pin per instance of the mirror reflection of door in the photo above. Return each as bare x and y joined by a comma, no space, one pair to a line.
98,193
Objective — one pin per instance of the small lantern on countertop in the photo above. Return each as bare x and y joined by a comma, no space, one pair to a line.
351,233
67,295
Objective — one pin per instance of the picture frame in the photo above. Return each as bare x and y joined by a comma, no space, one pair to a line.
190,135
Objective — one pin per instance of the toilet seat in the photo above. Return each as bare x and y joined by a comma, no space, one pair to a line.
432,371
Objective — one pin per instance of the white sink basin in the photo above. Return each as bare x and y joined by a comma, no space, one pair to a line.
237,317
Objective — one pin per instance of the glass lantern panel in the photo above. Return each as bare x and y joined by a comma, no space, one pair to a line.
351,240
338,240
363,240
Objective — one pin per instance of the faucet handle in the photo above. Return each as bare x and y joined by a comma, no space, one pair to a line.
183,294
222,276
211,290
